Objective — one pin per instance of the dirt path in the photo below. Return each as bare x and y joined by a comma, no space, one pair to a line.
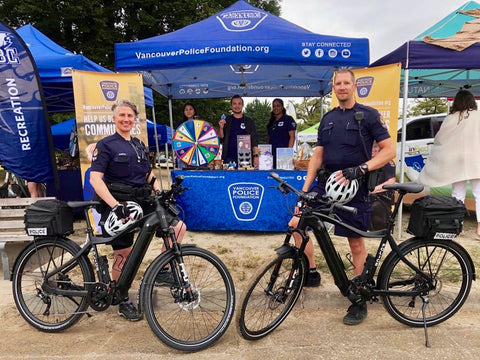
313,331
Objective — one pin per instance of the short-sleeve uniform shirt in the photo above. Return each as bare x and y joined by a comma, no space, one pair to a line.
121,161
278,133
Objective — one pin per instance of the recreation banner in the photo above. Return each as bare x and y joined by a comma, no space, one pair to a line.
95,93
25,138
379,87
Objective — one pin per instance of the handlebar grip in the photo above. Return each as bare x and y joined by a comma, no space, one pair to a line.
179,179
275,176
349,209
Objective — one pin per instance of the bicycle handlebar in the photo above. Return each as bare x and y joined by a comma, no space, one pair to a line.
285,187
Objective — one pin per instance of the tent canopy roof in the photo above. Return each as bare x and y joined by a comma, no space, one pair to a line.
240,50
55,65
436,71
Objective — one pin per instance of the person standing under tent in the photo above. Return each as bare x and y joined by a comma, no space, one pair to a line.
189,113
233,125
345,138
453,157
281,128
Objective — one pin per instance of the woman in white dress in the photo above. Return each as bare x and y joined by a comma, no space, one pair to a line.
454,158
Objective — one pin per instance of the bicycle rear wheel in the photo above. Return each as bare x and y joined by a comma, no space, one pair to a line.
189,317
270,297
41,309
450,270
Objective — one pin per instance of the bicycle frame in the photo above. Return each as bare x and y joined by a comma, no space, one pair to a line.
148,226
315,220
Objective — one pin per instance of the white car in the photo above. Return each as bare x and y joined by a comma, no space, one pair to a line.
421,131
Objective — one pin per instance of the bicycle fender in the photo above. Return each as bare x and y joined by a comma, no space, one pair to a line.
286,250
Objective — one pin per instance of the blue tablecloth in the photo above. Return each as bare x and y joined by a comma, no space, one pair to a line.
237,200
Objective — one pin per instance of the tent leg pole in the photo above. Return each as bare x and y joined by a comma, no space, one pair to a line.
157,149
170,114
402,148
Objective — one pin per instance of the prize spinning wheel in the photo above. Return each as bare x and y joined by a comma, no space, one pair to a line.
196,142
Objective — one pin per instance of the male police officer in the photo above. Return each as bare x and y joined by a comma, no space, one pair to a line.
345,137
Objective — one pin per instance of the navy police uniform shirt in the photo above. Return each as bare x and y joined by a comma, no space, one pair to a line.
238,127
121,161
278,133
339,135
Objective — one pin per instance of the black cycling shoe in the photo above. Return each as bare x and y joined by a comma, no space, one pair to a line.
356,313
129,311
313,279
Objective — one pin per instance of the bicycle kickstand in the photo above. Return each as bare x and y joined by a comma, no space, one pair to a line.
425,300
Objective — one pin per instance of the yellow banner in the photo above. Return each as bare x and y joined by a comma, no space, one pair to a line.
379,87
95,93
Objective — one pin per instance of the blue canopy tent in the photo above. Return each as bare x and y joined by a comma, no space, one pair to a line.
55,65
241,50
438,71
61,134
432,66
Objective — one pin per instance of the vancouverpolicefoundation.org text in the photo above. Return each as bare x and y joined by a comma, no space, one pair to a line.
201,51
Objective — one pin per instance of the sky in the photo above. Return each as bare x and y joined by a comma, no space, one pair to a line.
387,24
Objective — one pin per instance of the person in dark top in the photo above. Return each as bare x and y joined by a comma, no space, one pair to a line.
233,125
281,128
121,172
345,138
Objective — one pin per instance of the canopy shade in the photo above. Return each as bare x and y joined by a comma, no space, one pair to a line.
240,50
437,71
55,65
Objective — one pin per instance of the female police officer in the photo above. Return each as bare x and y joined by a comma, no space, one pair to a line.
121,162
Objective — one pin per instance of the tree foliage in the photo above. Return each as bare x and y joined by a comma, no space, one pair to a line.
427,107
92,27
260,112
309,110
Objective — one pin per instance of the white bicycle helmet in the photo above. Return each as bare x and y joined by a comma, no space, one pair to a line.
341,193
114,225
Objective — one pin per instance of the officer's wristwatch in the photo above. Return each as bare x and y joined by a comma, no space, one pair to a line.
364,167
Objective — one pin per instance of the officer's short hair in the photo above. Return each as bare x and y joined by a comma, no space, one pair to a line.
126,103
344,71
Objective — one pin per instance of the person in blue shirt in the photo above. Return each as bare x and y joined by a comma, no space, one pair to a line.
233,125
281,128
121,172
345,138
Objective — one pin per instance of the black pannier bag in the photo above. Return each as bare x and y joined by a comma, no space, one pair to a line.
436,217
49,217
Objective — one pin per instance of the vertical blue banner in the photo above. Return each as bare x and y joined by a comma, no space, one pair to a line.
25,138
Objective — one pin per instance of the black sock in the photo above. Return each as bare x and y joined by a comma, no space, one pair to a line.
312,270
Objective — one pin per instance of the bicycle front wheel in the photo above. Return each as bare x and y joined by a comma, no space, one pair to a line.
270,296
450,271
189,315
40,308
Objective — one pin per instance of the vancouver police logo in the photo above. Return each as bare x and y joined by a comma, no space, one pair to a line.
364,85
241,20
8,53
245,199
109,89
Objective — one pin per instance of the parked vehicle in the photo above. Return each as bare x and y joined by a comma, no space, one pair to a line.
420,133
